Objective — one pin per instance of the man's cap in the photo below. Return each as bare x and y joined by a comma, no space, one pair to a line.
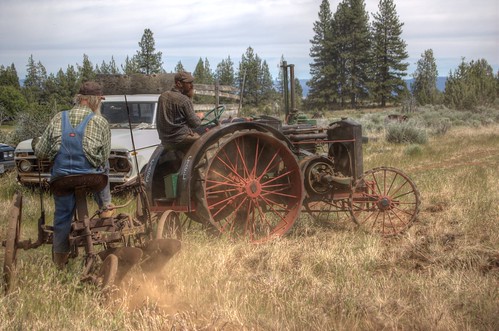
91,88
184,77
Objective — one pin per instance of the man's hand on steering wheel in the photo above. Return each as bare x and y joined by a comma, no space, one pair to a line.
212,116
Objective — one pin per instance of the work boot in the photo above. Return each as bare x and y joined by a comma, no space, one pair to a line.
60,260
108,211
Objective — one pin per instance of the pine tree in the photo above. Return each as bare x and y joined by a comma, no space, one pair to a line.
179,67
130,67
86,71
209,76
108,68
248,76
471,85
8,76
388,54
424,87
351,43
266,84
225,72
322,88
148,61
36,75
199,73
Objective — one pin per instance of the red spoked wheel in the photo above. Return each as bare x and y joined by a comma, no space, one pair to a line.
252,187
385,201
13,235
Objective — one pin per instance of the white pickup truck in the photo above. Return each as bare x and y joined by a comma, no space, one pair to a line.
141,112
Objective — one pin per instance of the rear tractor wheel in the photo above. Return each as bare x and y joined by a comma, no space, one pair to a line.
252,187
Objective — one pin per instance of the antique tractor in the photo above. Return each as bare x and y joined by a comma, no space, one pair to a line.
252,179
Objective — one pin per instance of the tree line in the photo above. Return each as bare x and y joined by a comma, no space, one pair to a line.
358,61
355,62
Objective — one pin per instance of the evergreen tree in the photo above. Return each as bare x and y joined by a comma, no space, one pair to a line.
130,67
12,102
322,88
179,67
36,75
388,54
298,94
266,85
248,77
351,43
62,87
203,73
225,72
199,73
108,68
8,76
86,70
424,87
471,85
147,59
209,77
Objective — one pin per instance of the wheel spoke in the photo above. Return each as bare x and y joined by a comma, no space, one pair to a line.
385,200
252,187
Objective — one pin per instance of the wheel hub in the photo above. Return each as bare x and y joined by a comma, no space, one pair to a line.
384,203
253,188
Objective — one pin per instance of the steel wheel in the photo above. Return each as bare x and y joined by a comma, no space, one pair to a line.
252,187
385,201
169,226
13,234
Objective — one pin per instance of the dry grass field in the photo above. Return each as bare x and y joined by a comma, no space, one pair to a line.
443,274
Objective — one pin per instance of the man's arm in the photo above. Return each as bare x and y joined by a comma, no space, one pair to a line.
47,146
192,119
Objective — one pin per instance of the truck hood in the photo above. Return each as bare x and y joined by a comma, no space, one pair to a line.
121,139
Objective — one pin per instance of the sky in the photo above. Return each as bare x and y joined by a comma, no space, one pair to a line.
57,33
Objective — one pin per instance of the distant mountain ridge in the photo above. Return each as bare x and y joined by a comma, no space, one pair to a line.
440,84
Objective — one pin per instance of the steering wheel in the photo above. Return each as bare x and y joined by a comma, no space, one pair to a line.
212,116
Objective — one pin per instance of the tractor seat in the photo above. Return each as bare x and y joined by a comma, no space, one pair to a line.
68,184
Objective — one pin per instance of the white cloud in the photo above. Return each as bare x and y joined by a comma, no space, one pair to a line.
58,33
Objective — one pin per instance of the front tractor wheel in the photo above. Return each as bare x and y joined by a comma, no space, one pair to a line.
252,187
385,201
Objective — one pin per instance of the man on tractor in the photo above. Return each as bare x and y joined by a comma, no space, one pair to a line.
176,118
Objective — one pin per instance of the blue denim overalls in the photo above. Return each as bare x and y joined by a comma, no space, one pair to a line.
71,160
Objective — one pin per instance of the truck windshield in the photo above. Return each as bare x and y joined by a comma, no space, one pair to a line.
117,115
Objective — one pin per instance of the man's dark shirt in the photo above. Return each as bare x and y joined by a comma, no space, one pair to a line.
176,116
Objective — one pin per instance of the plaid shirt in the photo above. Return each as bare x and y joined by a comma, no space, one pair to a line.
96,140
176,116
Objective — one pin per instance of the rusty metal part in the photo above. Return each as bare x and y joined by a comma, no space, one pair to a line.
128,257
108,273
385,201
169,226
328,208
252,187
13,234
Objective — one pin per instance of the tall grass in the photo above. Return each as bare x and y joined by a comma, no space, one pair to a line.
443,274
